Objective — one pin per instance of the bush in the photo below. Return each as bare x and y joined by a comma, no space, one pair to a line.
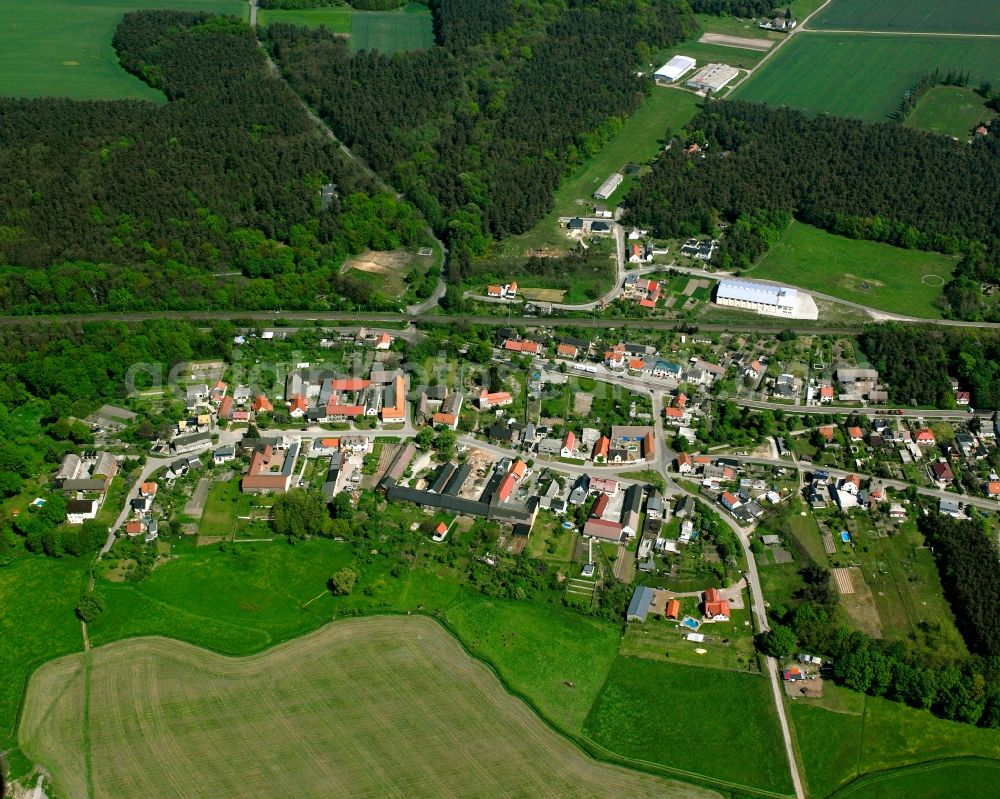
91,606
342,582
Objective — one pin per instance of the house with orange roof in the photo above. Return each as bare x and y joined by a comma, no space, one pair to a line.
600,454
518,468
270,471
614,358
298,406
569,445
685,463
496,399
440,531
147,489
394,400
826,393
673,414
716,608
600,506
525,346
673,611
494,291
262,404
567,351
855,434
925,437
217,392
506,488
604,529
449,420
993,488
383,342
225,409
826,431
636,364
133,528
681,400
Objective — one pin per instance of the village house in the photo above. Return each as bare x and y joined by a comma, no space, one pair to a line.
716,608
496,399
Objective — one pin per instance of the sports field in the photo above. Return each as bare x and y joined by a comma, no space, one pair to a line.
408,28
62,48
930,16
672,714
362,708
821,73
950,111
870,273
845,735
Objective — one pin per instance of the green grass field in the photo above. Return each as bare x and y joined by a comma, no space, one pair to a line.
957,16
637,142
389,32
336,18
870,273
930,781
845,735
38,596
950,111
708,721
362,708
62,48
819,72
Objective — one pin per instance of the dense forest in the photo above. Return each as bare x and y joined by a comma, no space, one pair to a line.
917,365
737,8
129,205
881,182
968,560
480,130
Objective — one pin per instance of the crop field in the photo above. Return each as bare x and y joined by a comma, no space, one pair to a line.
818,72
950,111
845,735
870,273
930,781
924,16
62,48
664,713
363,708
709,53
389,32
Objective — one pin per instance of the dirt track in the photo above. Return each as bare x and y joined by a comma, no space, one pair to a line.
737,41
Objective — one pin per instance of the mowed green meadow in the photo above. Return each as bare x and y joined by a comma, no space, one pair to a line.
863,75
408,28
62,48
906,752
670,714
877,275
924,16
949,111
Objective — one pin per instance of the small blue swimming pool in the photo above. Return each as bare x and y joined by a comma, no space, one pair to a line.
691,624
845,536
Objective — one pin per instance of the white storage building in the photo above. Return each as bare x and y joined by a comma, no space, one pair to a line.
760,297
608,187
674,69
713,77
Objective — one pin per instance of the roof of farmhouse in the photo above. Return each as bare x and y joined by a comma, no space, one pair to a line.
756,292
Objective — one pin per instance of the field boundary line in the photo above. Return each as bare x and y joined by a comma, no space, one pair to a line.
875,777
926,34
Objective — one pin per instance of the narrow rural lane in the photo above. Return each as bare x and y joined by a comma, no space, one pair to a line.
151,465
760,614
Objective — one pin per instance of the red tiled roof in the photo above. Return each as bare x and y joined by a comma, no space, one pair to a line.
673,609
567,350
262,403
569,440
506,487
993,488
600,506
225,407
148,489
349,384
601,447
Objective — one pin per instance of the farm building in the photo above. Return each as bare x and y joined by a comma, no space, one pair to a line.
638,608
674,69
607,188
713,77
765,298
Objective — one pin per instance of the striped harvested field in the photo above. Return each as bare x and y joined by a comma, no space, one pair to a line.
376,707
845,585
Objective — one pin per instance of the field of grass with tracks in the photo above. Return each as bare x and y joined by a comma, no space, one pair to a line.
925,16
363,708
665,713
870,273
408,28
950,111
823,73
62,48
844,735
